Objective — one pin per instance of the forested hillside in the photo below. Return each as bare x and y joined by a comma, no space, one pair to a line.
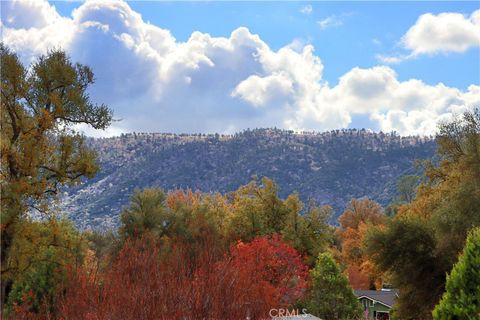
331,167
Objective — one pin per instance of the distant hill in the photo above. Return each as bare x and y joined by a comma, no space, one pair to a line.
330,167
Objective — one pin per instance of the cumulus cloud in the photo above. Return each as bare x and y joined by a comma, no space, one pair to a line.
27,14
31,27
443,33
220,84
408,107
446,32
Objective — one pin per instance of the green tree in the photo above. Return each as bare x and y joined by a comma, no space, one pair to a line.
462,297
196,217
258,210
406,251
179,216
146,213
309,233
40,150
330,296
41,253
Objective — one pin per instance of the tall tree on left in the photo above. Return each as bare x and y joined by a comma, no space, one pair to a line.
40,149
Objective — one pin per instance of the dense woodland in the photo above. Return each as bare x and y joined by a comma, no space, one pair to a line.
192,255
330,168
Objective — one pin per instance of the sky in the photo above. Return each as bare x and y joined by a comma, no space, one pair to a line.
190,67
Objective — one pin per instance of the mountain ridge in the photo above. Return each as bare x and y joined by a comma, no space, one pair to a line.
330,167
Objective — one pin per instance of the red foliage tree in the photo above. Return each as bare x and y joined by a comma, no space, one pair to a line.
273,266
146,282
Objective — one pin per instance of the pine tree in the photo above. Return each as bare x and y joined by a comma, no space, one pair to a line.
146,213
462,297
331,297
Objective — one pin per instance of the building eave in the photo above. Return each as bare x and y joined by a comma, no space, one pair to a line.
369,298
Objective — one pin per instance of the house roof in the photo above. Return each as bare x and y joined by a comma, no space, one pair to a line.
385,297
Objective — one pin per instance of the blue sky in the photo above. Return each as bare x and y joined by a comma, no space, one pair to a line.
404,65
367,28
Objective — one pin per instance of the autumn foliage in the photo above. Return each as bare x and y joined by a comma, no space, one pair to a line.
193,255
145,283
359,216
271,266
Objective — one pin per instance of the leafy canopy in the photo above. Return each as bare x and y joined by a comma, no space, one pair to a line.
40,106
360,216
422,242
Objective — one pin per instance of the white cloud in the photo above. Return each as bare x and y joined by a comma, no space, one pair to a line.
408,107
27,14
446,32
391,59
32,27
443,33
221,84
307,9
263,91
331,21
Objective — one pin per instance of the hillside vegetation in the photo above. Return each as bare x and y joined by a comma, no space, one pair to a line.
331,167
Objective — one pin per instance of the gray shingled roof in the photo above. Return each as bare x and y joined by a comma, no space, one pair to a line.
385,297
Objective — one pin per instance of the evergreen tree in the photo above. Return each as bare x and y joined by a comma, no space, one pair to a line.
462,297
331,297
146,213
